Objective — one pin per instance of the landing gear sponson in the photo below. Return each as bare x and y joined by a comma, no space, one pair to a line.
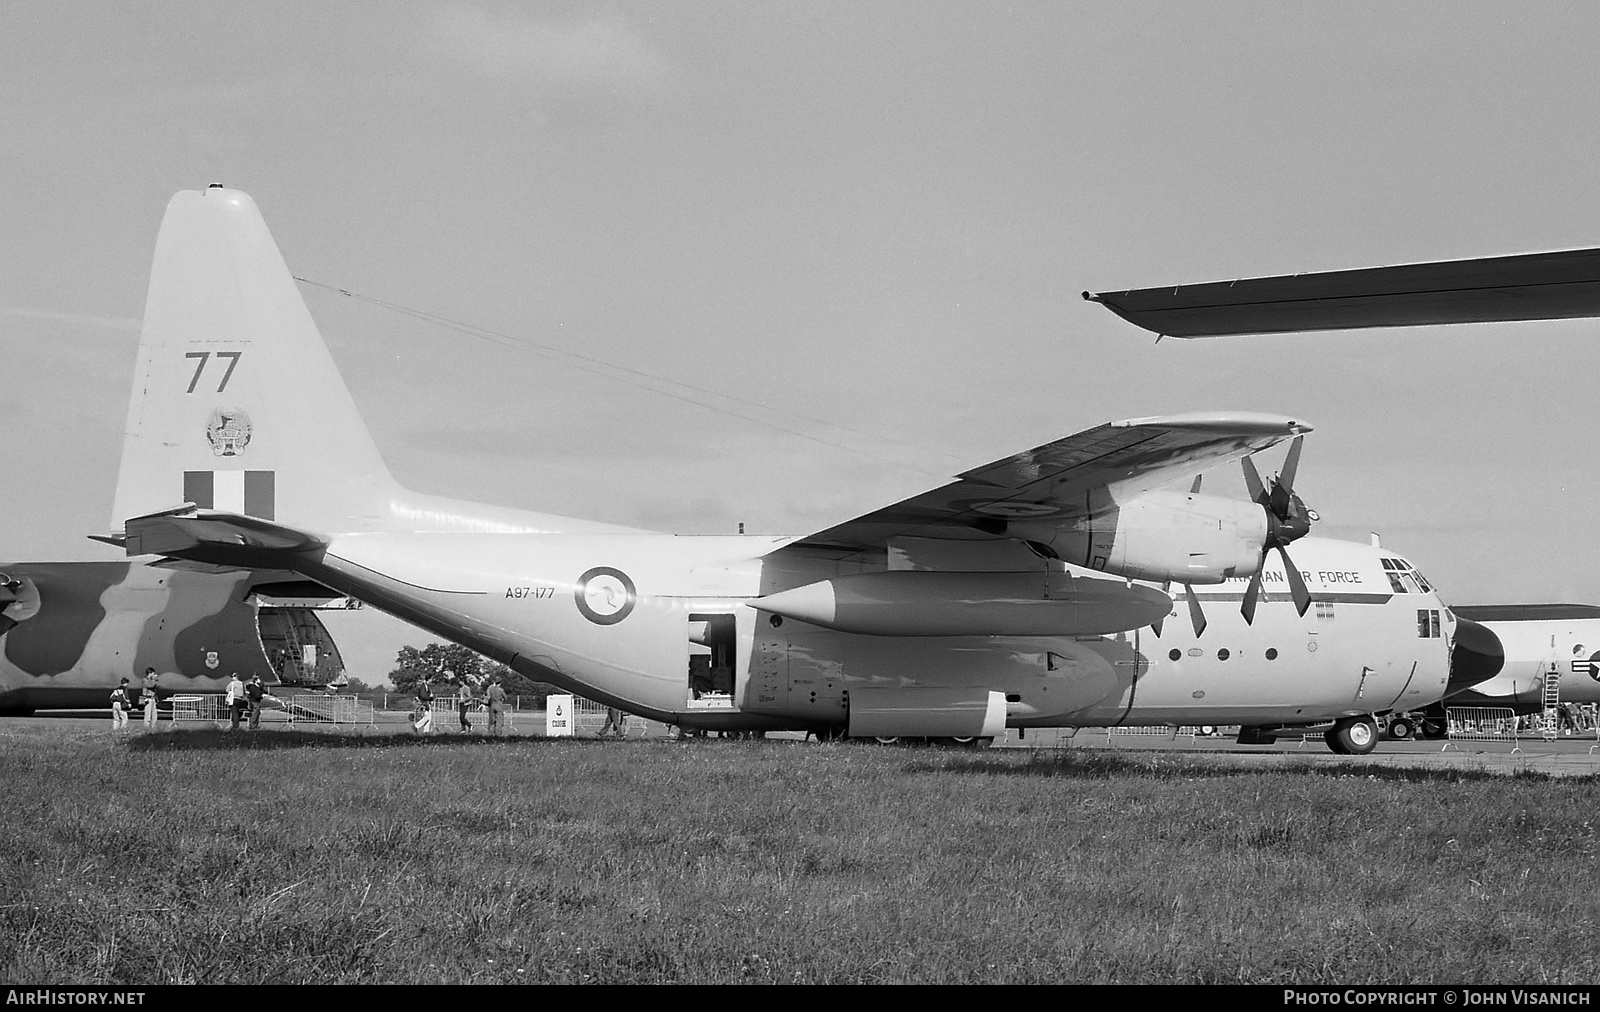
1347,736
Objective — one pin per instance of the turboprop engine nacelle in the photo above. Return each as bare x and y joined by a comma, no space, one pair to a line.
913,603
19,601
1182,537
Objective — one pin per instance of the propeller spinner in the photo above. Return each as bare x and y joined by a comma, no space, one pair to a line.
1288,520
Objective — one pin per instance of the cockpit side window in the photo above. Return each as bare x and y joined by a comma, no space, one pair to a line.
1391,569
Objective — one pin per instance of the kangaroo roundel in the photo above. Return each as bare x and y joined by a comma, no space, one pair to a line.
605,596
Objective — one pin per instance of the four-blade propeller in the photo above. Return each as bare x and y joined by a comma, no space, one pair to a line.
1287,520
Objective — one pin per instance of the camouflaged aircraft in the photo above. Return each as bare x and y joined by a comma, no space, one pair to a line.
71,631
1006,598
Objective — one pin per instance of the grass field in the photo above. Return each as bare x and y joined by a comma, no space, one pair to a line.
302,857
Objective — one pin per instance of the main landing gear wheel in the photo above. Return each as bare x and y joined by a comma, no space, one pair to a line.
887,740
971,741
1353,736
1400,729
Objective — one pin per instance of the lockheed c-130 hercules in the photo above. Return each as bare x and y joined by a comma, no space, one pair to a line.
1006,598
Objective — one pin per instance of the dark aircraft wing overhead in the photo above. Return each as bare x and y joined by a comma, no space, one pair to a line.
1532,286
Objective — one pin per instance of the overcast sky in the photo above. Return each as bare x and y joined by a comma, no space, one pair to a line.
836,248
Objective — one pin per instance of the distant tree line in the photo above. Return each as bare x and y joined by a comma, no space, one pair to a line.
447,666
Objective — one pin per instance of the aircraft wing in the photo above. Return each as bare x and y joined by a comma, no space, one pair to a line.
1080,476
1563,285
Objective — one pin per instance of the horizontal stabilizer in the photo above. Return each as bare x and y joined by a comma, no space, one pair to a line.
226,539
1563,285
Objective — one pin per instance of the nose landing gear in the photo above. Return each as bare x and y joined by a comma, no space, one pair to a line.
1353,735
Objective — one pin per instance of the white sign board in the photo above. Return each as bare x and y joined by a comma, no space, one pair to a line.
560,717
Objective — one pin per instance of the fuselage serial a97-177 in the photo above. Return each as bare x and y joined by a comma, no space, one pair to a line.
1006,598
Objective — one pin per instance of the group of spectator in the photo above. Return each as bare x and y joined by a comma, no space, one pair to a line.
242,697
494,700
126,698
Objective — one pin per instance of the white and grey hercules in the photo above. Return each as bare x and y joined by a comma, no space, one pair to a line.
1004,598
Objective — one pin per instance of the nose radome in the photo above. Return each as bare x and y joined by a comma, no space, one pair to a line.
1478,655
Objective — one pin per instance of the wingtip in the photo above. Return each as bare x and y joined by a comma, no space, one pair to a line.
1253,421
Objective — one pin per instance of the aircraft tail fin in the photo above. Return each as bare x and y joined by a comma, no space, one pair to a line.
236,404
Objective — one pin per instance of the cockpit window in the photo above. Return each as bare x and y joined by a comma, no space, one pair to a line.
1398,569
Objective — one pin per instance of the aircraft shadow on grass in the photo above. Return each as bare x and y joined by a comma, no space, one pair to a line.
212,740
1071,765
1066,764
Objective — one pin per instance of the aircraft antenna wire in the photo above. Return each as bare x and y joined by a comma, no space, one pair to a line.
610,370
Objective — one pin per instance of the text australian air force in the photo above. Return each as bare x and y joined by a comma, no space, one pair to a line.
1322,576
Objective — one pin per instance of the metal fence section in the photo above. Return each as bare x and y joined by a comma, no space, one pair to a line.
1479,723
1156,731
199,708
320,709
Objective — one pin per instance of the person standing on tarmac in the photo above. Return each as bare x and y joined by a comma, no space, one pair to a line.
464,703
119,706
497,707
235,700
424,721
149,683
254,693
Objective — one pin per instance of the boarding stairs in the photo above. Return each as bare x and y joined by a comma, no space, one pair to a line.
1550,713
